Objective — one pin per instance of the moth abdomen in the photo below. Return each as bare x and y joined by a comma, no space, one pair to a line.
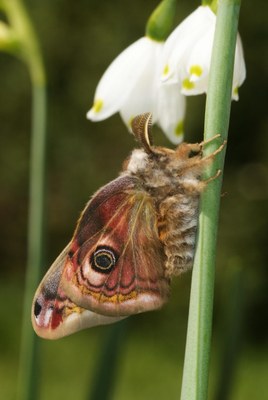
177,231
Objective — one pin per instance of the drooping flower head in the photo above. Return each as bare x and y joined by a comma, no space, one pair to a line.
131,84
154,75
187,54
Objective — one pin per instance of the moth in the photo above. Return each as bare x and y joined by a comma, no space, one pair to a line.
133,235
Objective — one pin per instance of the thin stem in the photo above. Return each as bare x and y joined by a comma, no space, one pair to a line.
29,49
29,366
30,53
232,325
107,368
198,343
213,4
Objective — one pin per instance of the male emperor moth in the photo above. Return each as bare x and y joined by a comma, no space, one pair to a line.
133,235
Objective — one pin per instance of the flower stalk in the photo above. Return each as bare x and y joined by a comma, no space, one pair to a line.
213,4
27,49
198,343
160,22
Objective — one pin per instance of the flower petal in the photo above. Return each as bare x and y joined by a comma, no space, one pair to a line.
195,80
141,100
142,97
201,58
119,79
239,68
171,111
181,40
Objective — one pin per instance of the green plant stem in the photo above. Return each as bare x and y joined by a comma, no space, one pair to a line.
29,366
213,4
232,325
29,51
107,367
198,343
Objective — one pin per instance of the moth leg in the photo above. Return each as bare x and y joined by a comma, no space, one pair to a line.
204,142
217,151
215,176
197,161
205,161
195,165
185,149
194,188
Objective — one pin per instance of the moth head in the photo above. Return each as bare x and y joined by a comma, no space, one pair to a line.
142,130
148,156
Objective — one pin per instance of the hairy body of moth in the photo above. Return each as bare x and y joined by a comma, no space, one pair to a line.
172,180
134,234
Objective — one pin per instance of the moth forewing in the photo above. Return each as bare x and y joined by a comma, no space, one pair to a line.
54,315
118,269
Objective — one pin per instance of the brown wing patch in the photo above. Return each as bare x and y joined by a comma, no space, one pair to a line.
54,314
115,266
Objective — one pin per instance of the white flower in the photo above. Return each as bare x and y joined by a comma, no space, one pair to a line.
187,54
132,85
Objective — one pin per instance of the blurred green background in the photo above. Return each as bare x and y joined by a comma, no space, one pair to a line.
79,40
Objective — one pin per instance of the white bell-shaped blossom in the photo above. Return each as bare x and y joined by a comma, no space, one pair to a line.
132,85
187,54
